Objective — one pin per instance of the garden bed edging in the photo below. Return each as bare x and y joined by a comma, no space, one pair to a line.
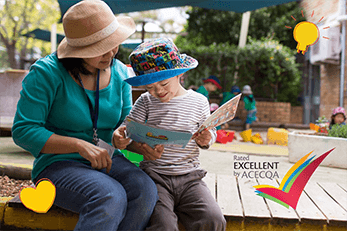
301,144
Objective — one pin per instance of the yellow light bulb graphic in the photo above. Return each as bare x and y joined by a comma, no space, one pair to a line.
306,34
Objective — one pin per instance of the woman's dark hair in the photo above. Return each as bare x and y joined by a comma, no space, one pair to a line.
75,66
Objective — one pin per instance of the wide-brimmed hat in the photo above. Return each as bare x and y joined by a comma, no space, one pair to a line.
339,110
91,29
156,60
213,79
247,90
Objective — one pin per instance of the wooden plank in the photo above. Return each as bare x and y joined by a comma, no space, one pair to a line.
308,211
278,211
326,204
210,180
336,192
228,196
254,206
343,186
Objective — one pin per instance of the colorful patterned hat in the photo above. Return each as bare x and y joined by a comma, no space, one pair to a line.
156,60
339,110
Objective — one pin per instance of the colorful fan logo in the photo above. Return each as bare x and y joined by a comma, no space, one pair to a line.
293,183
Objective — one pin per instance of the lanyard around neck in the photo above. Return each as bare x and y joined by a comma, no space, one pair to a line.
94,113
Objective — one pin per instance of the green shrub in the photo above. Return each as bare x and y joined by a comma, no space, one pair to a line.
123,54
338,131
267,66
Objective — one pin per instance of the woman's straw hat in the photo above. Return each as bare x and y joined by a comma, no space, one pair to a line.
91,30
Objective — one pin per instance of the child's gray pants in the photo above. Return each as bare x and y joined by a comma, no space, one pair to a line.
185,198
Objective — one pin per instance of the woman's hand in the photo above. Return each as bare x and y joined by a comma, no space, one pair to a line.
203,138
119,139
98,157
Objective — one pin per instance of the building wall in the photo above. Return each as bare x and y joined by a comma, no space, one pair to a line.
330,74
10,87
275,112
319,8
296,115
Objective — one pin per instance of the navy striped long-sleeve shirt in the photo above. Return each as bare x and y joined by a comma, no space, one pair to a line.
182,113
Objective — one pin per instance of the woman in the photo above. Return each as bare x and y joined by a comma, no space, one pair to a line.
72,101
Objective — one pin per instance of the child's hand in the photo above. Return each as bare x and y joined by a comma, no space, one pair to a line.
203,138
119,139
148,152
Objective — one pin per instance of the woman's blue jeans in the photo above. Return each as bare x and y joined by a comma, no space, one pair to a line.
121,200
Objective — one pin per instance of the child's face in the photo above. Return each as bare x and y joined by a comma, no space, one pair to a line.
166,89
339,118
211,87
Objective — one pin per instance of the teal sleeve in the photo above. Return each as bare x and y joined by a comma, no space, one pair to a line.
36,97
127,102
126,96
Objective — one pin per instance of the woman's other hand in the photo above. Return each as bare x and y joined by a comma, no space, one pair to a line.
98,157
119,139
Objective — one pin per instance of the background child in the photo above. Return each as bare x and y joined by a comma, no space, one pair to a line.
210,85
250,107
235,90
182,194
338,117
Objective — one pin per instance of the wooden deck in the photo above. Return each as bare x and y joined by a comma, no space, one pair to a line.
322,206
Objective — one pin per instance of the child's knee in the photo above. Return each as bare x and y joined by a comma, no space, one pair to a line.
212,219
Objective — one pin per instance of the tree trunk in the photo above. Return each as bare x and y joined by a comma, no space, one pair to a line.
23,55
11,52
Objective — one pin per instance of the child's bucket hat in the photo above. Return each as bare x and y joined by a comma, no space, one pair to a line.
247,90
156,60
213,79
91,29
339,110
235,89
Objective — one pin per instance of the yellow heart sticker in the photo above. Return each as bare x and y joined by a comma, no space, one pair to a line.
41,199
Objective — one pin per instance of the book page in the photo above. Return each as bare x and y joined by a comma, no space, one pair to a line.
222,115
152,136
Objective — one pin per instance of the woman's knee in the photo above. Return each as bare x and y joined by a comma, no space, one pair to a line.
145,186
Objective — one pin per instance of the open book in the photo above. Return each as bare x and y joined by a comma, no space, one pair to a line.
152,136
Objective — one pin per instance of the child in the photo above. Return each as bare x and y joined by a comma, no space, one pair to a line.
210,85
338,117
235,90
250,107
182,194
